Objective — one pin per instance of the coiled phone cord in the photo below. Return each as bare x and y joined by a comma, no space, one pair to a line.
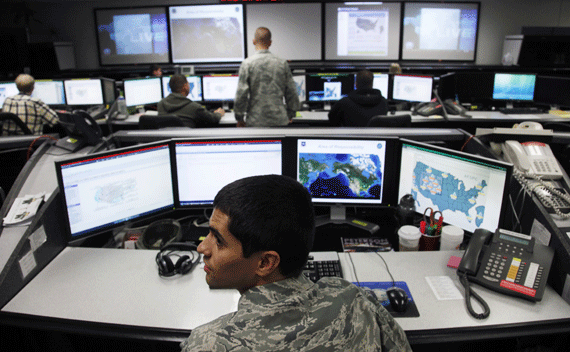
468,292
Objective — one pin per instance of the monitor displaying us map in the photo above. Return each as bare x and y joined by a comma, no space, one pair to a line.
468,190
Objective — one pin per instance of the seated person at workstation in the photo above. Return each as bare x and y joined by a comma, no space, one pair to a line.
155,71
261,232
177,103
359,106
32,111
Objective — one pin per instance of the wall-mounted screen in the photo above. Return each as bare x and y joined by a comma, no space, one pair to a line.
329,86
287,23
132,35
142,91
469,190
207,33
220,87
440,31
514,86
195,83
49,91
199,165
88,91
7,89
362,31
412,88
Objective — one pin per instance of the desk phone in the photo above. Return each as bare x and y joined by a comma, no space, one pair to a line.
507,262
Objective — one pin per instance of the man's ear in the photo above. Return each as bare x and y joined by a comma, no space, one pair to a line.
268,263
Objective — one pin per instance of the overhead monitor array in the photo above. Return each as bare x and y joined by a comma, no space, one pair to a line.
106,190
343,31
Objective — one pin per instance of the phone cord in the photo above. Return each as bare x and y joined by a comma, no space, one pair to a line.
468,293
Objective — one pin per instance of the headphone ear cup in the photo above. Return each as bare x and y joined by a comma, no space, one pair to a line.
183,265
165,266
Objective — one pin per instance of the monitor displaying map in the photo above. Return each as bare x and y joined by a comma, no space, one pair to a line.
470,191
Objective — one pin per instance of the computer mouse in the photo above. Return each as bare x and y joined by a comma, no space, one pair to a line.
398,299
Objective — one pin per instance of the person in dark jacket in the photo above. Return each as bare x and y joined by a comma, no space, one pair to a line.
359,106
177,103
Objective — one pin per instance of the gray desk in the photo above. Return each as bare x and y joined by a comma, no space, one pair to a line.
114,289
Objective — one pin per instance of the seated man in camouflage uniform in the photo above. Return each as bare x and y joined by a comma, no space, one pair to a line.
261,232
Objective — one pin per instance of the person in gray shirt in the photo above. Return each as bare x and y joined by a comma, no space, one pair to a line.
177,103
264,80
261,232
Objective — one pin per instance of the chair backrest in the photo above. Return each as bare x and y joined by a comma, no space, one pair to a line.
8,116
390,121
154,122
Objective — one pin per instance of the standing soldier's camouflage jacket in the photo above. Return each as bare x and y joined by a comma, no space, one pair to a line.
264,79
296,315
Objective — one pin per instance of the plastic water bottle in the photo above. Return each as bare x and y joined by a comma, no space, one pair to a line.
122,104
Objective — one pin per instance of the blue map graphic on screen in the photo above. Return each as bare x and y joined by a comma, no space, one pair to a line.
341,175
447,192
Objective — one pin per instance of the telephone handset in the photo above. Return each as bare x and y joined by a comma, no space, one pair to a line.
532,158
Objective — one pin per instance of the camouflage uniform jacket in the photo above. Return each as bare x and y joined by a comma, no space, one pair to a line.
297,315
264,79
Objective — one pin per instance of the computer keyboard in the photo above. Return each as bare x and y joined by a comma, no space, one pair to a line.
322,264
521,111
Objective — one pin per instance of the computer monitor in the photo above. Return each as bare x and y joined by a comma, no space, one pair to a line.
49,91
195,83
207,33
102,191
301,85
514,86
142,91
382,83
412,88
552,91
204,166
109,90
329,87
84,91
342,171
470,191
474,87
446,86
7,89
219,88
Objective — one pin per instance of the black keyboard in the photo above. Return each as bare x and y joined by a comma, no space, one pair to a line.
322,264
521,111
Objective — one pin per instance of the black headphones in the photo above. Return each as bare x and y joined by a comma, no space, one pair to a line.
184,263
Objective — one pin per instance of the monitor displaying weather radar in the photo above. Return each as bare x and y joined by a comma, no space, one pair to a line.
469,190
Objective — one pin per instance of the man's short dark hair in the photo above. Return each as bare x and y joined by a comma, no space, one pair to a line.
270,212
364,79
177,82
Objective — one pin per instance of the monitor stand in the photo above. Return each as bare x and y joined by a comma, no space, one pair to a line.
327,106
226,106
338,217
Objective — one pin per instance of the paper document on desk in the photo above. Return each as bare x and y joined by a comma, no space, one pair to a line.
24,209
443,288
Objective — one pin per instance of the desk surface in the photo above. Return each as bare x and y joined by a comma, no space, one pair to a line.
116,286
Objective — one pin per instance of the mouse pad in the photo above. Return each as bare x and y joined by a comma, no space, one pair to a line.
411,311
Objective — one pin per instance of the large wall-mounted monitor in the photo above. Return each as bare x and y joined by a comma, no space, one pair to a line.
287,23
142,91
440,31
220,87
195,83
362,30
203,167
88,91
552,91
207,33
329,86
105,190
7,89
412,88
470,191
128,36
514,86
49,91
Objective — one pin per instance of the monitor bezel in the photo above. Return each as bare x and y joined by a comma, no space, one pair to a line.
471,158
77,238
174,164
389,194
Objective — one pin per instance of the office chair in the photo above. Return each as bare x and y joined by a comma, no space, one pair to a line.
557,126
390,121
8,116
154,122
